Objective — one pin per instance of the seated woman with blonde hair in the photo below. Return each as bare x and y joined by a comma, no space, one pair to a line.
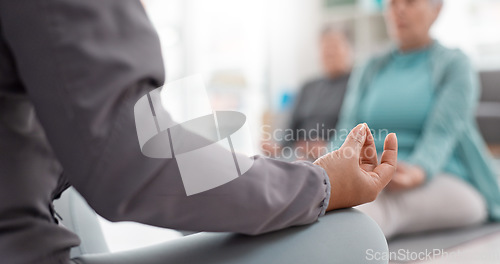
427,94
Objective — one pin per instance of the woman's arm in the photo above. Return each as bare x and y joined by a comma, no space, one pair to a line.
457,95
84,65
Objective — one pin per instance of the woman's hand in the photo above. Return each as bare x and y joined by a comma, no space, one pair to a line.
354,172
406,177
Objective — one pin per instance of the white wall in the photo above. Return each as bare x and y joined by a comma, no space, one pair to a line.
293,31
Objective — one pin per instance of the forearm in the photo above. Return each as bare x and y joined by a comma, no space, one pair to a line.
454,107
272,195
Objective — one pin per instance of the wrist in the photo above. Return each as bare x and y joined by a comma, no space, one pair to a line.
336,197
326,204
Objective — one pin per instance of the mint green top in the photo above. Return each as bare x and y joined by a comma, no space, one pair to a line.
429,99
399,99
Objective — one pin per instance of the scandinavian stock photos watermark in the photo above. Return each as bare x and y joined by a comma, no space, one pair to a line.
300,144
210,147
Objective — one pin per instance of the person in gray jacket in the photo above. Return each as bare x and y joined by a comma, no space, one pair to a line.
70,74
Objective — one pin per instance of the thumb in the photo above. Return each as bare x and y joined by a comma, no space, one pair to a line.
355,141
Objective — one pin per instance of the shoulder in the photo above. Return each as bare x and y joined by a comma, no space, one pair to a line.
313,83
451,57
453,66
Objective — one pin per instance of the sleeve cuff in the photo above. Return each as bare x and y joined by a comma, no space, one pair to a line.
428,172
325,182
324,204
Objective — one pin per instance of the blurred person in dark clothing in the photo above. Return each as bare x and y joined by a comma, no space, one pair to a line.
315,113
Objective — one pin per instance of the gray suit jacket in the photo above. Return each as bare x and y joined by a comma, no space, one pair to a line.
70,74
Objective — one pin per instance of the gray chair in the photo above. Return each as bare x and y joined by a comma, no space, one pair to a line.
345,236
488,112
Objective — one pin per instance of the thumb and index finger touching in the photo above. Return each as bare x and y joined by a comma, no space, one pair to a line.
355,141
360,143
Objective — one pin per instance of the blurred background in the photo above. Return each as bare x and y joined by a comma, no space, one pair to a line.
255,55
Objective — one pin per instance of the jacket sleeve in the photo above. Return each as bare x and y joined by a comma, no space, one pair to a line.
84,65
456,98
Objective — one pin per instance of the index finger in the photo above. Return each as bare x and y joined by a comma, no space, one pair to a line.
368,153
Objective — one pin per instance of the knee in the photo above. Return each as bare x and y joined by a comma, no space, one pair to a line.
344,236
465,202
474,207
356,238
477,211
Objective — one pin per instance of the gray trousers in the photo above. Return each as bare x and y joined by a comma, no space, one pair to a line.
345,236
444,202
